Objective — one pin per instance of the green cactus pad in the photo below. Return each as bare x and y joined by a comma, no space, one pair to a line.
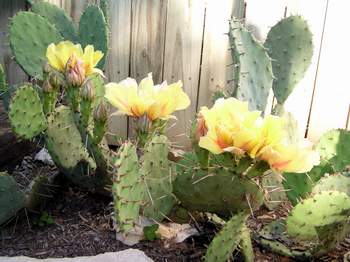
290,46
255,70
218,190
64,141
298,185
93,30
127,188
275,190
335,182
334,147
26,113
157,174
30,35
12,199
320,210
227,240
57,17
246,246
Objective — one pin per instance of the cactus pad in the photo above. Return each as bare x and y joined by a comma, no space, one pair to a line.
3,84
255,70
227,240
93,30
334,147
298,185
30,35
289,44
64,141
26,112
321,210
157,174
127,188
335,182
216,190
57,17
11,198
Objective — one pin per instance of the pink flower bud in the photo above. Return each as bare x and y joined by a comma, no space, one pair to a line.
75,71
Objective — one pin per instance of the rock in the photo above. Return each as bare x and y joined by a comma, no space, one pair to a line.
121,256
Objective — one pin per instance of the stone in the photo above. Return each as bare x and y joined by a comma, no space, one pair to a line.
121,256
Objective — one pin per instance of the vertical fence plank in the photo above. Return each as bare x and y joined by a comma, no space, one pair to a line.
14,73
184,31
216,56
332,94
147,41
299,102
117,67
74,8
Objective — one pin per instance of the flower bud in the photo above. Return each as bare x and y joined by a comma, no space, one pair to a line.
56,79
88,91
201,128
101,112
47,69
47,87
75,71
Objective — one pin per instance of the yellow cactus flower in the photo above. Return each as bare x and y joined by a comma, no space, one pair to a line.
297,158
231,127
58,56
156,102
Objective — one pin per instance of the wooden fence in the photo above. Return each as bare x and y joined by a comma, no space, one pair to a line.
185,39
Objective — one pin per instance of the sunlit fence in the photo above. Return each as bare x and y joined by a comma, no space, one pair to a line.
186,39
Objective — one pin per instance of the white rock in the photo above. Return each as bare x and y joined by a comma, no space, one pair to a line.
127,255
44,156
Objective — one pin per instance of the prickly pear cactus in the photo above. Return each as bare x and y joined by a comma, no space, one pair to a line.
157,175
227,240
298,185
335,182
127,188
66,153
334,147
30,35
289,44
253,70
57,17
93,30
216,189
320,210
11,197
246,245
26,113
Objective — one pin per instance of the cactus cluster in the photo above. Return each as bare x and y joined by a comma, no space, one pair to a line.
279,63
32,31
317,223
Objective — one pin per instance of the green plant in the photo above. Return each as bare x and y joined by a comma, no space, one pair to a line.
317,223
45,219
31,33
150,232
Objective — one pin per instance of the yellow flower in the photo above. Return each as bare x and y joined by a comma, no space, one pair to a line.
157,102
231,127
284,157
58,56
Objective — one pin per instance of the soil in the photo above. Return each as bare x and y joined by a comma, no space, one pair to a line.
82,226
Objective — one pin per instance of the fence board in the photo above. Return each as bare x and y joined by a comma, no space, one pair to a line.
184,31
14,73
216,56
332,94
117,67
147,41
299,102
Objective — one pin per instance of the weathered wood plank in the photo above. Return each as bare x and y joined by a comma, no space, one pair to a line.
299,101
332,94
216,56
147,41
184,31
14,73
117,67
